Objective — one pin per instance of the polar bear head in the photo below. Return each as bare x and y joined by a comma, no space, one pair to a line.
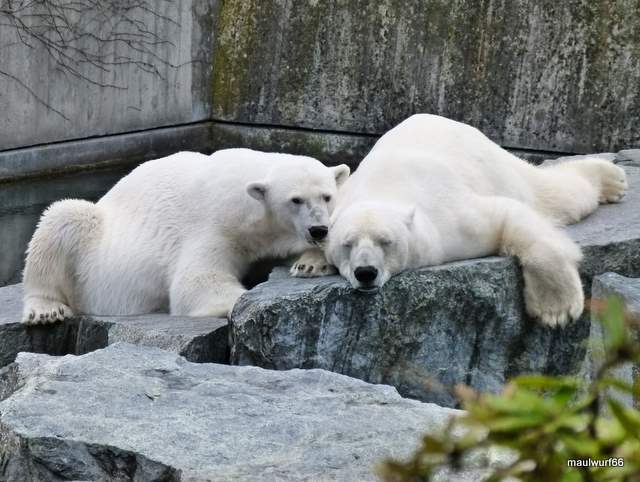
299,195
370,242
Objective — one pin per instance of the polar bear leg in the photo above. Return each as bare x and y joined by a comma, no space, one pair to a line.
312,263
569,191
201,293
553,291
64,233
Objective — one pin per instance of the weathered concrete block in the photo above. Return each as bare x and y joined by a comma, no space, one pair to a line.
431,328
162,81
197,339
137,413
529,74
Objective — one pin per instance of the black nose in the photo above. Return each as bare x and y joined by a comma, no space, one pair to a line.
366,274
318,232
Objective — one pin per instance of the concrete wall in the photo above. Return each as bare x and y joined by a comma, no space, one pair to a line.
121,86
532,74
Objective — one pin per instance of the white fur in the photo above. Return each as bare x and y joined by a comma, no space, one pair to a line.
434,190
176,234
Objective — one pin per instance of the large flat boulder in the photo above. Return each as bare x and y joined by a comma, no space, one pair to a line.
431,328
197,339
137,413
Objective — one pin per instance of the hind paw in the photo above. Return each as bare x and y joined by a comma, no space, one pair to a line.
613,182
41,311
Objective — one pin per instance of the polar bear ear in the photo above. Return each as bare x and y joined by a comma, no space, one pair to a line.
341,173
257,190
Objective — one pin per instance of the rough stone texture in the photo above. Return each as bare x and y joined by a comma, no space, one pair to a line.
604,286
628,289
431,328
136,413
180,92
556,76
197,339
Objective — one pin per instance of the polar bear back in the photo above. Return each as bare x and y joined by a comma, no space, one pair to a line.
427,147
170,187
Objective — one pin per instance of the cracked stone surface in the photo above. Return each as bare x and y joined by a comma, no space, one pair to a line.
197,339
137,413
431,328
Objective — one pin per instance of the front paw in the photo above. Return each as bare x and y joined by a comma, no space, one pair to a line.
42,311
554,296
312,264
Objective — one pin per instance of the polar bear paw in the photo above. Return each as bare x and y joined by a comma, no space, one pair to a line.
42,311
554,299
609,179
613,183
312,264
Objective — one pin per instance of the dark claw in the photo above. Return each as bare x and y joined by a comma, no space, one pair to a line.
61,310
41,316
32,315
301,267
309,269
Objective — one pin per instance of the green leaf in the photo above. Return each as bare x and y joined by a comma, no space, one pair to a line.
581,445
515,423
629,419
620,385
520,401
542,382
572,476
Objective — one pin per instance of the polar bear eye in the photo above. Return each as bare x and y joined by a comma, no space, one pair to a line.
385,242
326,198
296,200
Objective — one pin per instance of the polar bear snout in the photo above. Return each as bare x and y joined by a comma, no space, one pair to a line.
319,232
366,275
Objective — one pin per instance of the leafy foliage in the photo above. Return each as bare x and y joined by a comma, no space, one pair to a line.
546,421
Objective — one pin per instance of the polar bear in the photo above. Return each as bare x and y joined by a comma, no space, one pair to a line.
177,234
433,190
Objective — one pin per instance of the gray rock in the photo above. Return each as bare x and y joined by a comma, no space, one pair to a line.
197,339
611,284
629,157
605,286
431,328
136,413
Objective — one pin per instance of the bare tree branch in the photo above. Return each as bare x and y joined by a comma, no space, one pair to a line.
90,39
